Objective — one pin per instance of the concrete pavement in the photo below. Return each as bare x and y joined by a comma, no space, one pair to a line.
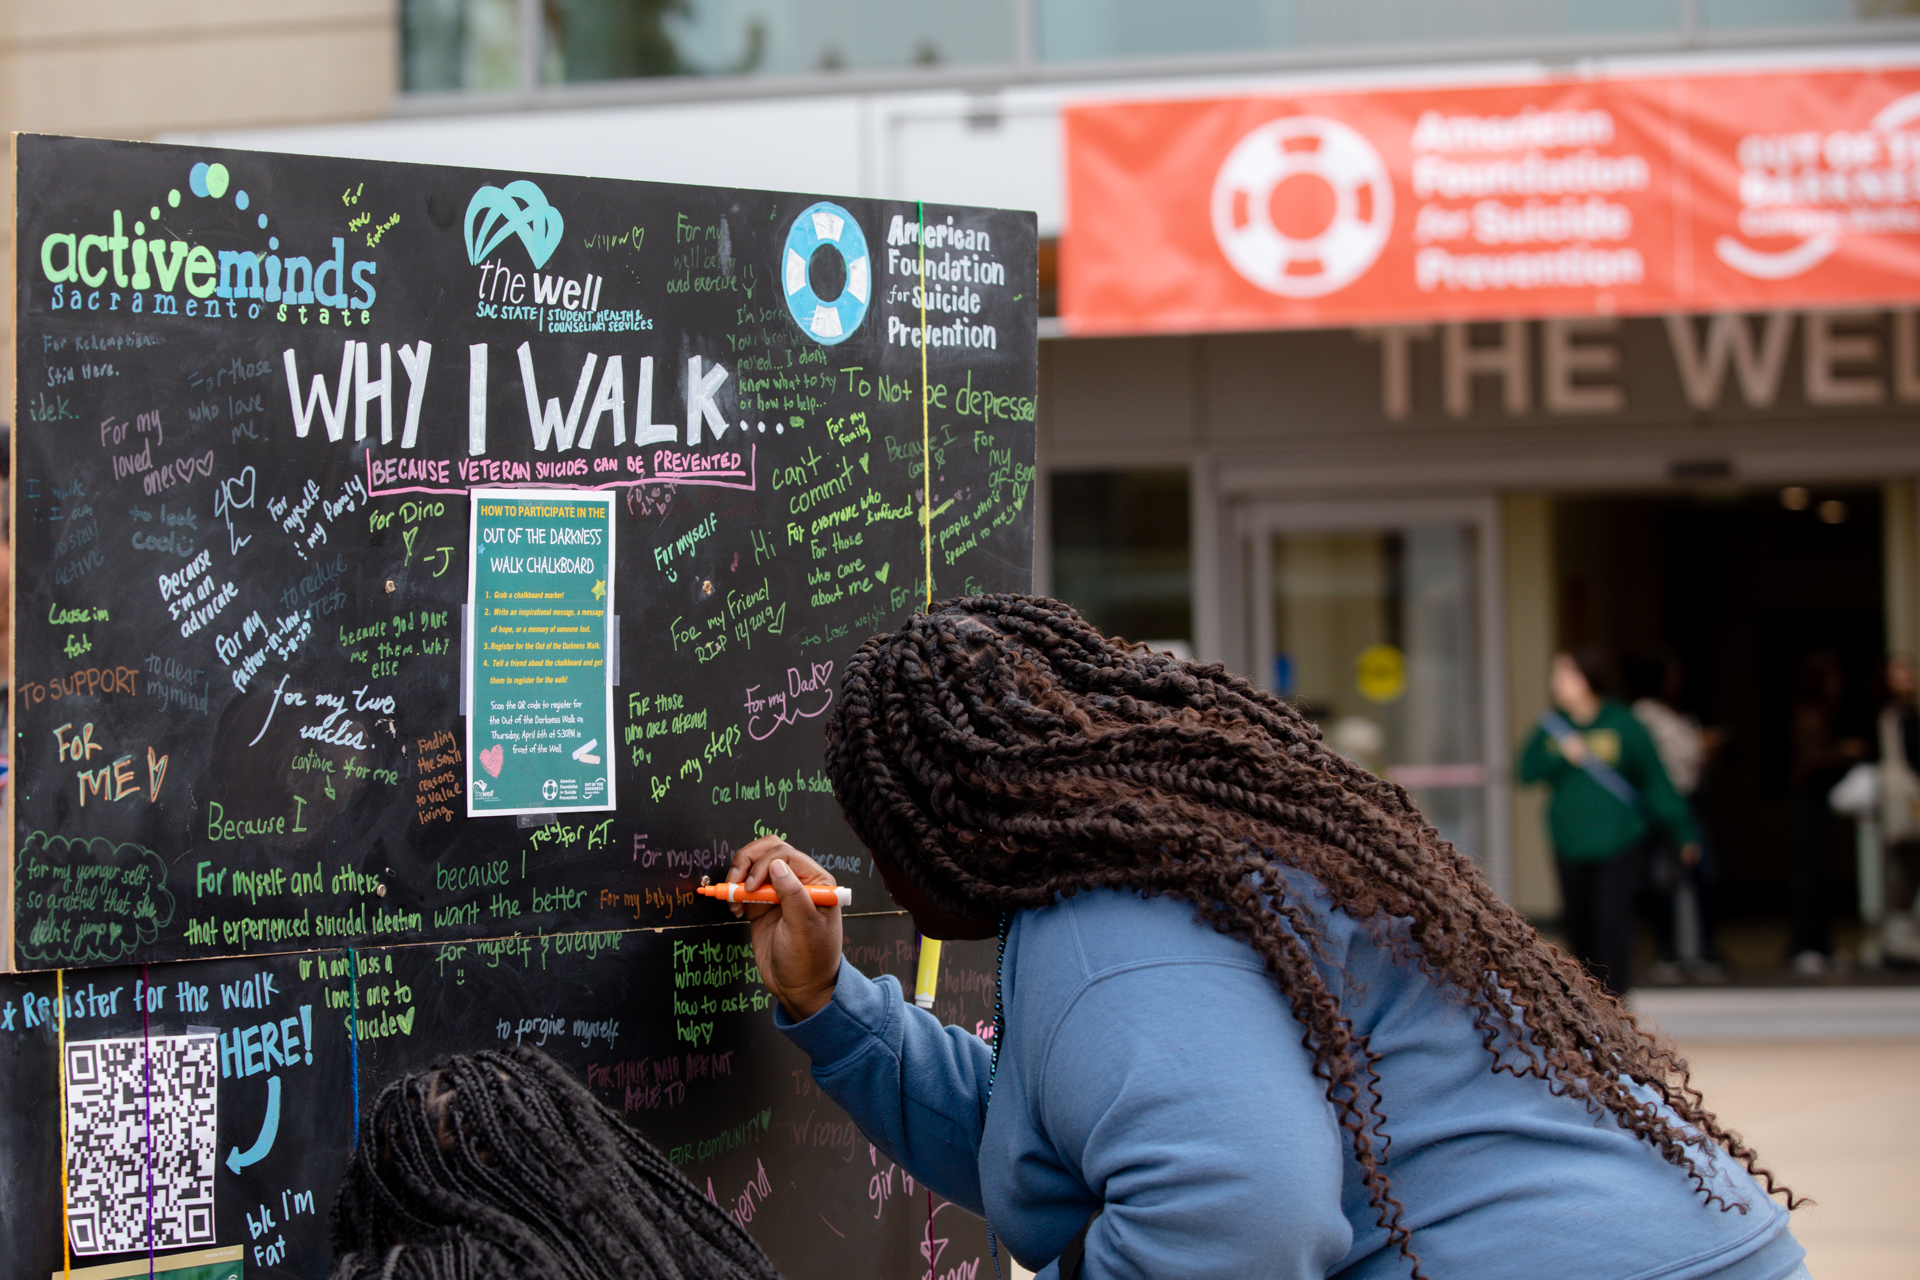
1825,1085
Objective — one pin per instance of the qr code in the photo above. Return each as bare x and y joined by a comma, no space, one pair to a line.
142,1143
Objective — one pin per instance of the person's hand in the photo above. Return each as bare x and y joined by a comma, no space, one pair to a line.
1690,854
796,944
1574,748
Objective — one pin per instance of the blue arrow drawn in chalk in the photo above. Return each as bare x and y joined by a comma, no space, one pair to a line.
269,1128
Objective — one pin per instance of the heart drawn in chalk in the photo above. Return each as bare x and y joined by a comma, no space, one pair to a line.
492,758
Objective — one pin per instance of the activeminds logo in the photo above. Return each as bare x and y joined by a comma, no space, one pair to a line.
519,208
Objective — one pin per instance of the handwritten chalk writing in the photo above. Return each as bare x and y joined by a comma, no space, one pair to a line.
77,536
91,682
58,617
466,915
881,1186
650,1083
597,836
267,1045
783,706
87,901
588,944
179,471
81,1002
360,921
684,862
843,1135
385,1025
490,874
80,746
438,779
842,863
607,1030
749,1131
282,639
249,993
408,470
663,900
878,958
540,1028
712,964
221,828
202,614
344,733
496,950
663,557
255,885
743,1206
173,584
310,586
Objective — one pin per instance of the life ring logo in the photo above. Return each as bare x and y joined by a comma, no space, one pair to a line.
1316,246
519,208
828,321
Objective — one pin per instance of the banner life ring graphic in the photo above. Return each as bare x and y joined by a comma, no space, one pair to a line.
1334,256
826,223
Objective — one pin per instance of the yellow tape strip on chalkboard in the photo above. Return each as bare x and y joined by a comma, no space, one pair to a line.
66,1240
175,1262
926,451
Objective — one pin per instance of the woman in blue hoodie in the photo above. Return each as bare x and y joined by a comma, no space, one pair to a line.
1256,1017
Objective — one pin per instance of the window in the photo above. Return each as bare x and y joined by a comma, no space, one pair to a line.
518,44
509,44
1121,551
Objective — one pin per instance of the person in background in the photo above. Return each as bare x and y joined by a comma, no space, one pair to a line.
501,1166
1685,917
1817,758
1608,790
6,645
6,594
1899,735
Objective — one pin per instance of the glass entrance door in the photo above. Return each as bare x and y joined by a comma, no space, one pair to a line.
1377,629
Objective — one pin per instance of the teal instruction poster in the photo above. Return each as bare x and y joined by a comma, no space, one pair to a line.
540,599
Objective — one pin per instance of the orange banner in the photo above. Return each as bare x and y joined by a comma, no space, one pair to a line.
1558,198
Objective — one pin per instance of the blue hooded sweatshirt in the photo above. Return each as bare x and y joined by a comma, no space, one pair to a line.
1153,1070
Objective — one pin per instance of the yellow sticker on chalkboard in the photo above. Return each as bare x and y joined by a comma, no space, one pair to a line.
1380,673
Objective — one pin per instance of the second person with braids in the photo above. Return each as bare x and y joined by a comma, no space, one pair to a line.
1259,1019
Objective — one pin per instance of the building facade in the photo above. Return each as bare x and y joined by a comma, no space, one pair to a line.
1396,525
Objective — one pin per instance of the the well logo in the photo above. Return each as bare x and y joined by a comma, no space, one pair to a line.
519,208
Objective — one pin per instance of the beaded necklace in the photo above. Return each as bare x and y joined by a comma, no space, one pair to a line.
993,1070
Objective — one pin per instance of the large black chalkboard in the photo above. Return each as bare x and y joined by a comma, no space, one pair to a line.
240,541
254,397
739,1114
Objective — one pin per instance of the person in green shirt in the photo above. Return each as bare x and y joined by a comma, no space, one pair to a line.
1608,792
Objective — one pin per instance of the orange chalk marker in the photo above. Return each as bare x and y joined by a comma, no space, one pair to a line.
821,895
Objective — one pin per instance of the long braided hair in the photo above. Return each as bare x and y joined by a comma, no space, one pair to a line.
495,1165
999,751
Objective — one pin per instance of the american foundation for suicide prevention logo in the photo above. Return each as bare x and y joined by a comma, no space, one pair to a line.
1310,156
826,225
